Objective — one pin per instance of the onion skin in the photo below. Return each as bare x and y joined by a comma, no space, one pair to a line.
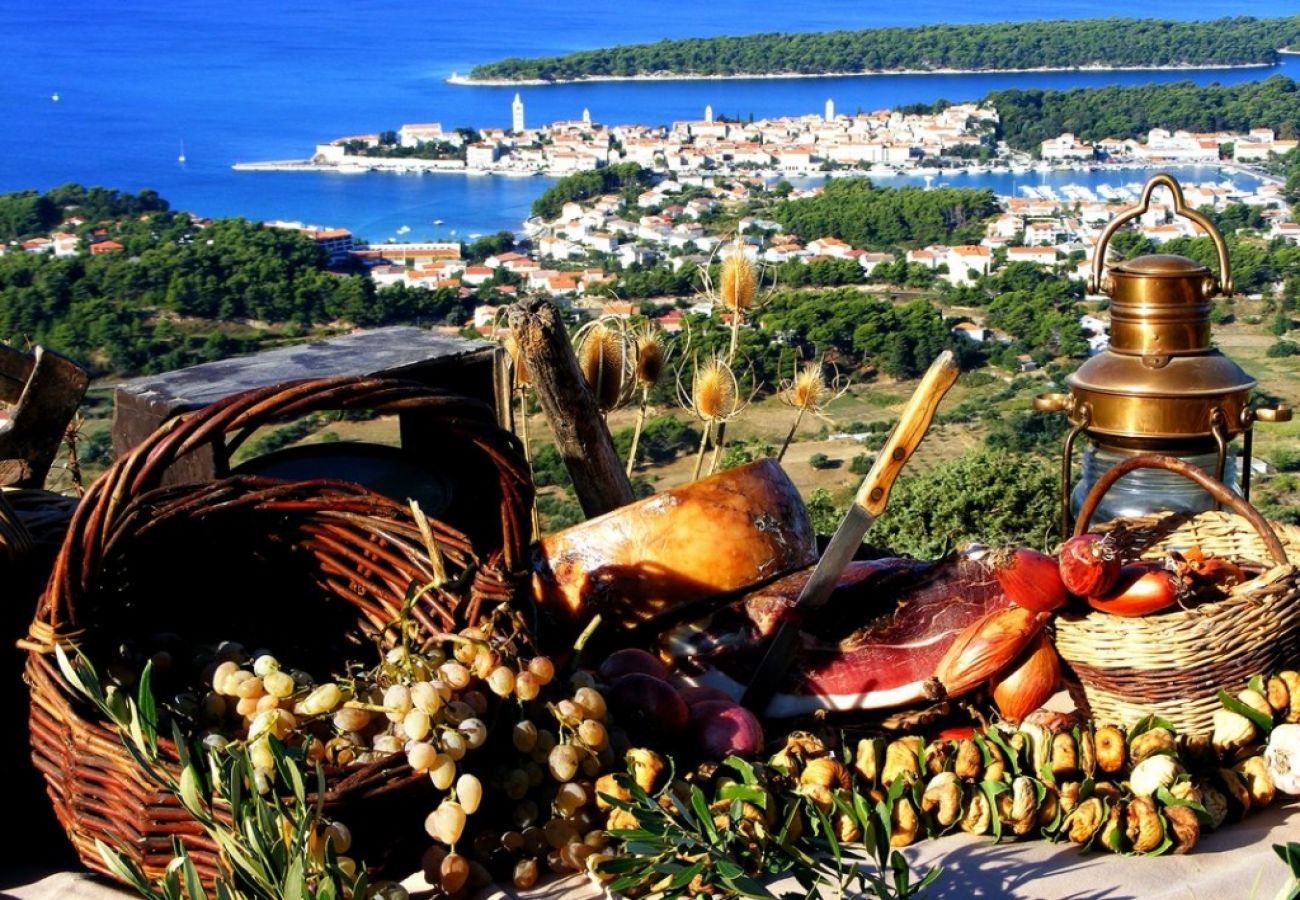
1142,589
1029,578
1029,682
987,647
1089,565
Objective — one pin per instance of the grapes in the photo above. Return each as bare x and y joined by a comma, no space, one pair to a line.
416,724
351,719
516,784
222,673
456,675
423,696
446,822
570,798
526,874
542,668
458,711
442,771
323,699
593,734
454,744
420,756
475,733
454,872
230,684
563,762
527,686
501,681
339,837
265,664
524,736
590,700
469,791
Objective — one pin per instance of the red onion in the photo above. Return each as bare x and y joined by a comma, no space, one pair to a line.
1089,565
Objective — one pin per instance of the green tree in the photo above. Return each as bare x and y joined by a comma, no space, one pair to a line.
988,496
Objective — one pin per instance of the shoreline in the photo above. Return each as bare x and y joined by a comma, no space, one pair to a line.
467,81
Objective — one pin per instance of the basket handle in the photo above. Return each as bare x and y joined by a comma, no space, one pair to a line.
1216,489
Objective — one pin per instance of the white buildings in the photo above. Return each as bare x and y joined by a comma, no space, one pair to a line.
517,115
1066,147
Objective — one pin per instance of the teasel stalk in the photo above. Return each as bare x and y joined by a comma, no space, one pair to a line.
519,384
737,295
714,398
603,359
808,391
650,357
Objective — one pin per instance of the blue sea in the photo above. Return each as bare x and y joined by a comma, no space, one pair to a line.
250,80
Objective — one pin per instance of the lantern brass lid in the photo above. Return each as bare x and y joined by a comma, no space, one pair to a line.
1209,374
1161,265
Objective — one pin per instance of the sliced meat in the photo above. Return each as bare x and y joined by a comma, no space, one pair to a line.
874,646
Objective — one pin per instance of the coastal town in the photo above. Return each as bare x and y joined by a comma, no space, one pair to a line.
579,257
959,136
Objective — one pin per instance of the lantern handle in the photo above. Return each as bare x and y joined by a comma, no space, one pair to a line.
1216,489
1224,283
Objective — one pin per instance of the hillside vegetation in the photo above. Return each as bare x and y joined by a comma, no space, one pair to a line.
1111,42
1028,117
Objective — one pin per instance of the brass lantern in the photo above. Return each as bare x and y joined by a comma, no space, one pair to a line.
1160,386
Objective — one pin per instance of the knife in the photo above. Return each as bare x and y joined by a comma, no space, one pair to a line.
867,505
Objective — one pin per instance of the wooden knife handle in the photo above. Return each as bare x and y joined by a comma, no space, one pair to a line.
907,434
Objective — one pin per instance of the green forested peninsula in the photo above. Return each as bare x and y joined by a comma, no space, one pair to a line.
1029,117
1111,42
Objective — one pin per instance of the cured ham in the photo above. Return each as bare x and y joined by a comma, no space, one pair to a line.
875,645
712,537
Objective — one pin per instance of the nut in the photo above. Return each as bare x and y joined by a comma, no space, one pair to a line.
827,772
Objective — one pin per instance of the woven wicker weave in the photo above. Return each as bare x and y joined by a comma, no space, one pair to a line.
315,570
1174,663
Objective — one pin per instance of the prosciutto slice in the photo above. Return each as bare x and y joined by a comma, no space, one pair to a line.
875,645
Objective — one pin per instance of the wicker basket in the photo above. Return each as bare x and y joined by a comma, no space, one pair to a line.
312,569
1174,663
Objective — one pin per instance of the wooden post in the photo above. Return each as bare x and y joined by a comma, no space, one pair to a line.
584,441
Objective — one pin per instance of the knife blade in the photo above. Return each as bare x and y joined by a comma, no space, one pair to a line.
868,503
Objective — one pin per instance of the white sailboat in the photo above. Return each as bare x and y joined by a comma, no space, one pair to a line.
55,97
181,159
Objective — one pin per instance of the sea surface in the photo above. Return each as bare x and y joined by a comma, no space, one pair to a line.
246,80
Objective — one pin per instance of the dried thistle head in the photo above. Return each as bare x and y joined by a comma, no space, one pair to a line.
602,357
650,355
715,393
739,279
810,391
